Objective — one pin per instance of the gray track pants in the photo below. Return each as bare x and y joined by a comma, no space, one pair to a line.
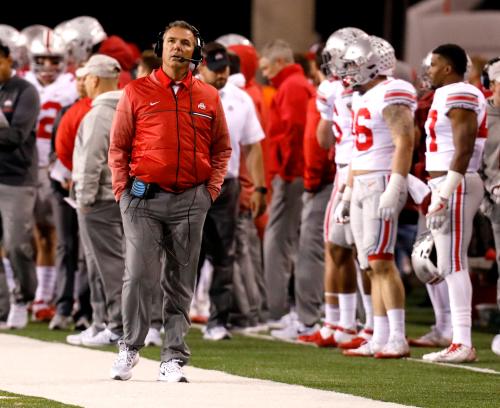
16,211
101,232
309,274
281,240
163,238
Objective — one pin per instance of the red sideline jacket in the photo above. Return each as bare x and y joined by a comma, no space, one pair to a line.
287,121
319,169
153,138
66,131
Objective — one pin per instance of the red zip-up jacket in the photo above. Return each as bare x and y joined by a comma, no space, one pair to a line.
287,121
319,169
174,140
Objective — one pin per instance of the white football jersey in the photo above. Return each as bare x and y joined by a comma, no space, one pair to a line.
342,125
439,141
324,98
53,97
373,145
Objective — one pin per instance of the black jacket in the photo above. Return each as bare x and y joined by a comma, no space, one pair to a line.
20,103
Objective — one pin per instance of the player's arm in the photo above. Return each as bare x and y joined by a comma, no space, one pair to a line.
324,133
399,120
464,127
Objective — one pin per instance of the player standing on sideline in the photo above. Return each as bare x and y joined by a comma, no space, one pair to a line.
383,127
456,132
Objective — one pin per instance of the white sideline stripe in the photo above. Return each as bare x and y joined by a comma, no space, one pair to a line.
417,360
475,369
78,375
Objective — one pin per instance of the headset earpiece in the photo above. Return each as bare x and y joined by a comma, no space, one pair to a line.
158,48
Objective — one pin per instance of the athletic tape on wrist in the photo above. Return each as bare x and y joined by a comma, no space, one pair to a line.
450,184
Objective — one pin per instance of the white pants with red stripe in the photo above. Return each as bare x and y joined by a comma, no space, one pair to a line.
338,234
453,238
374,237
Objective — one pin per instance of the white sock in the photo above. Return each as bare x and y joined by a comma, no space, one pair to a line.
9,274
460,292
380,329
332,314
347,308
368,306
396,319
46,276
441,304
366,298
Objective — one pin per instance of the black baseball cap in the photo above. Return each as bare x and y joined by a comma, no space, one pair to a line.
215,56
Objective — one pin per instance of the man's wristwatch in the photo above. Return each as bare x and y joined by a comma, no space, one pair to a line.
261,189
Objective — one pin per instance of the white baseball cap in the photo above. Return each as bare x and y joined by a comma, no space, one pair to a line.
100,65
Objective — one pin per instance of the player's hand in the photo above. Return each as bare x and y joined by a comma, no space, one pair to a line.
437,213
387,204
257,204
342,212
495,194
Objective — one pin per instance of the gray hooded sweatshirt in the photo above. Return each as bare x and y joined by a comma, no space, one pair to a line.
91,174
490,168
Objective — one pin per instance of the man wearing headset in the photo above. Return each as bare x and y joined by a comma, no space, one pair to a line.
168,155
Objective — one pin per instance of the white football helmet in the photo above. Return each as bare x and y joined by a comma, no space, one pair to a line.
424,259
425,80
360,63
42,43
10,37
386,55
81,34
233,39
335,47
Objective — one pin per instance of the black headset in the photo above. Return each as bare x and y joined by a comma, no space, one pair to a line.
485,78
197,56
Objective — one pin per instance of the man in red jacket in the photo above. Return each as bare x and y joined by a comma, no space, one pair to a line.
168,156
287,120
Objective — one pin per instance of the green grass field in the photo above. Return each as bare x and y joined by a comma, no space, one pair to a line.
401,381
8,399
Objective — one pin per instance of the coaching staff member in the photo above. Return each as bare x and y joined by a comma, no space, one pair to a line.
168,155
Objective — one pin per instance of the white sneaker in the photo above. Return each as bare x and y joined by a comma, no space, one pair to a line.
294,330
432,339
153,338
77,339
259,327
171,371
394,349
344,334
495,344
367,349
285,321
18,316
126,360
216,333
104,338
60,322
456,353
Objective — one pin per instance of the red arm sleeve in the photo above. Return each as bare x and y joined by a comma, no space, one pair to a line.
120,148
220,152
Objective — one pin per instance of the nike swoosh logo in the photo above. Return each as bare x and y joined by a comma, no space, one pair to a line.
154,103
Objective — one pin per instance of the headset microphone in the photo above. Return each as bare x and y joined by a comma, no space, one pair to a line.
183,59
